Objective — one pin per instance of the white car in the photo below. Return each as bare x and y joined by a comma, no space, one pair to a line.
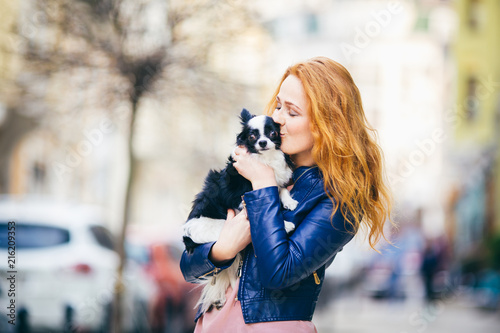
58,269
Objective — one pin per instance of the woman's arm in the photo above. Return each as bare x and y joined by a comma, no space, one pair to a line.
233,238
208,258
284,261
196,265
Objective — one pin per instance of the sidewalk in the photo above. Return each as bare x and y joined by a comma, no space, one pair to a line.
359,314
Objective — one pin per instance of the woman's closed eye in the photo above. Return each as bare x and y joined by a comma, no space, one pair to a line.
288,110
291,112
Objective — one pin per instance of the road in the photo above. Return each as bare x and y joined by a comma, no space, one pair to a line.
356,313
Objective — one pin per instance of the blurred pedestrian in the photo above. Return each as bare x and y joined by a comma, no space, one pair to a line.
338,181
429,268
171,301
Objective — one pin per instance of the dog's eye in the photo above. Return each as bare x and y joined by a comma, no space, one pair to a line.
273,134
252,137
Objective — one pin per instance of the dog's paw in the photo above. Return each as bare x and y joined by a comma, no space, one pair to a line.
189,227
203,230
286,199
289,226
289,203
219,304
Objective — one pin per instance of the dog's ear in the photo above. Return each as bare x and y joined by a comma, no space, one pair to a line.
245,116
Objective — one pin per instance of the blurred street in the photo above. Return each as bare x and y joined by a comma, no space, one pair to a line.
356,313
113,111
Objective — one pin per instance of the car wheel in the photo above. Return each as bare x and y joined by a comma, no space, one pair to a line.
69,314
106,319
141,322
22,322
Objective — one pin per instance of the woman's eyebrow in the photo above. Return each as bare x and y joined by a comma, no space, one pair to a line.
288,103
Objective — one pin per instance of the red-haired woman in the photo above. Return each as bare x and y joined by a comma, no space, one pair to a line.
339,184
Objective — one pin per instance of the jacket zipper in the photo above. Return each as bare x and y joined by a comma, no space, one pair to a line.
215,271
239,273
240,265
214,277
316,278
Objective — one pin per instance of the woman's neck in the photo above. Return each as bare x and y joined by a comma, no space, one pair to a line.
300,161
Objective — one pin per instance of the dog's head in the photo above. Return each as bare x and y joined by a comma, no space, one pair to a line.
260,133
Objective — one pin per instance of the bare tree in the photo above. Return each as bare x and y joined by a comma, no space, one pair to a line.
140,43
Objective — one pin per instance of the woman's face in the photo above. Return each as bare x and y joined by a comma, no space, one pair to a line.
292,113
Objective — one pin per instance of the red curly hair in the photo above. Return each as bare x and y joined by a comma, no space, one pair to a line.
344,148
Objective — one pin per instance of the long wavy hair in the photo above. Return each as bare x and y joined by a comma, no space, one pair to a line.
344,148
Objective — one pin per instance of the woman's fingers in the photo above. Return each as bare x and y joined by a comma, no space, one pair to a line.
239,151
230,214
234,237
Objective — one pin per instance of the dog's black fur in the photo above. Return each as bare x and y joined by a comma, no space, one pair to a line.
224,189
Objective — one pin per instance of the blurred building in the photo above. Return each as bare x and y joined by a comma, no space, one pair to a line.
77,147
398,53
70,149
9,60
474,120
13,125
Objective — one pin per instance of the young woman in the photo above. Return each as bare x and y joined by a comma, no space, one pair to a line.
339,184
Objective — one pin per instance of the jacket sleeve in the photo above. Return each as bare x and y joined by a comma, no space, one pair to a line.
284,261
196,266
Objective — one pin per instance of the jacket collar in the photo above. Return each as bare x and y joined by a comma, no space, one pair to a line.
305,172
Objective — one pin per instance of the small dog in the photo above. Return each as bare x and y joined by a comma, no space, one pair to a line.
224,189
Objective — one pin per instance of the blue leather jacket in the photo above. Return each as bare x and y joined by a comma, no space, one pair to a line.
282,274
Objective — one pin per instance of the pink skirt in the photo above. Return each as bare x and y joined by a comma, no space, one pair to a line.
230,319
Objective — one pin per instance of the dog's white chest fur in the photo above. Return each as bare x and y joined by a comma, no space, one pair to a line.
276,160
282,172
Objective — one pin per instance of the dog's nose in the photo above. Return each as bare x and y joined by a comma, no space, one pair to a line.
263,143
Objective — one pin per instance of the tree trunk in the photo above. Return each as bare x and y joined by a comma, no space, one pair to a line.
11,132
117,308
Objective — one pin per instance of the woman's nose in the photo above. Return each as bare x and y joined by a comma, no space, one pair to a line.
278,117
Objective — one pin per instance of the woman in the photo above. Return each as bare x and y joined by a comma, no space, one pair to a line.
338,182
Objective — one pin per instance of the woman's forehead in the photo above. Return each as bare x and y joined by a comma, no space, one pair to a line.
292,91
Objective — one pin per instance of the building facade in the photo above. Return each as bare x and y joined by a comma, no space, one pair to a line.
475,121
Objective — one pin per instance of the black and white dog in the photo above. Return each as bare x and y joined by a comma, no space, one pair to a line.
224,189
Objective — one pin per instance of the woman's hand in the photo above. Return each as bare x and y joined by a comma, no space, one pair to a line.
234,237
259,174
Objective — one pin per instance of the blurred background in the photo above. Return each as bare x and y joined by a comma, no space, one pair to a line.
113,111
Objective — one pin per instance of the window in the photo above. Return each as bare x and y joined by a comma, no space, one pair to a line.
422,23
476,14
312,24
34,236
103,237
472,101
